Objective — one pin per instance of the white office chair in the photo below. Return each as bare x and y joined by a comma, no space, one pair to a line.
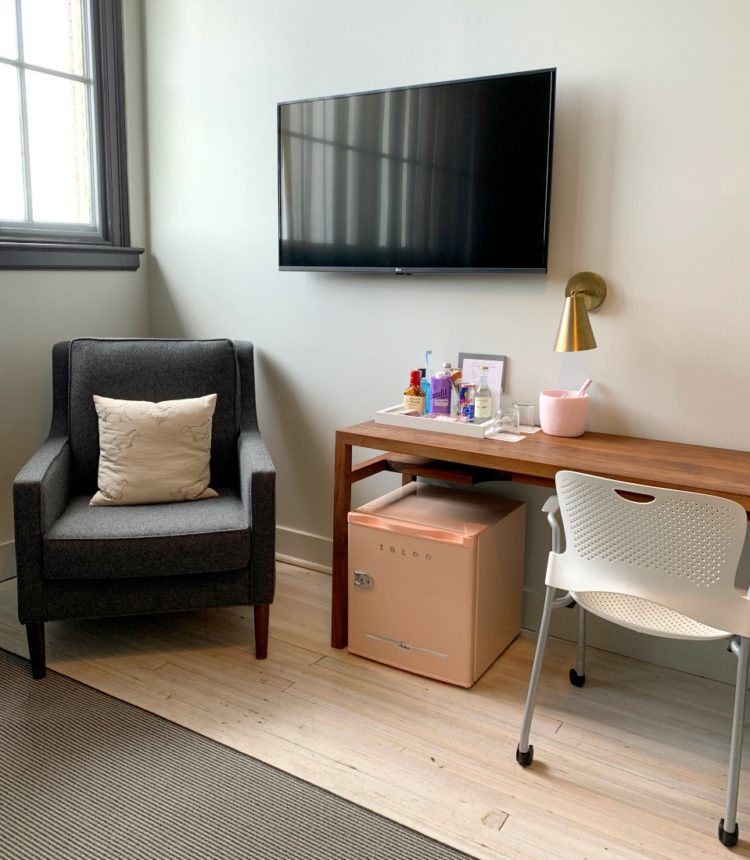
657,561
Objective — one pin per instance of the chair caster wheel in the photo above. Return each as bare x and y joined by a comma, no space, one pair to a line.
577,680
525,758
727,839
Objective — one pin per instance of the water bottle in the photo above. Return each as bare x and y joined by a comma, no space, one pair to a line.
483,398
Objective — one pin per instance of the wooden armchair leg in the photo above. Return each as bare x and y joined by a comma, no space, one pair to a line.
35,635
261,611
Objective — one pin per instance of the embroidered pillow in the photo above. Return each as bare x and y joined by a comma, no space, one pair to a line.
154,452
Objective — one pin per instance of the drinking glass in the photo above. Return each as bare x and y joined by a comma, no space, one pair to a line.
506,420
525,414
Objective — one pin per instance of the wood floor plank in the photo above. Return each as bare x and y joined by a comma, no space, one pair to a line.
631,766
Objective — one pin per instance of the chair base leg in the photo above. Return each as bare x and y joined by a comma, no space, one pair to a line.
525,758
524,753
578,675
577,680
35,636
261,612
728,839
740,647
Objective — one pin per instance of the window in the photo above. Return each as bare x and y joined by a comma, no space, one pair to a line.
63,180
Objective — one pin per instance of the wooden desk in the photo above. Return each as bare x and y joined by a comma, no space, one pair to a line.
536,459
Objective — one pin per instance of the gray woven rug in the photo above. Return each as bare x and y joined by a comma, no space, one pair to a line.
88,776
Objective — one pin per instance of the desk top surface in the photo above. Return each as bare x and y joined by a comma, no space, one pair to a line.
697,468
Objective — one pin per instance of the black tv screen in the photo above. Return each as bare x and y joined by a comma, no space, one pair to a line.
447,177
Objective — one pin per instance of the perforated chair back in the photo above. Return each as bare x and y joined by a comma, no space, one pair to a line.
664,563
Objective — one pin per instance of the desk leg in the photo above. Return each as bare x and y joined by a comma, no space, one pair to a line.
342,501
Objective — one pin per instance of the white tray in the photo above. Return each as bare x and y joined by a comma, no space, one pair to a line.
437,423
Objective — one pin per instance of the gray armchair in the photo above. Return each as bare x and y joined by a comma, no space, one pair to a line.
76,561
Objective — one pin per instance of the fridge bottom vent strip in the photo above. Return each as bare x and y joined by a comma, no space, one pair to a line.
406,646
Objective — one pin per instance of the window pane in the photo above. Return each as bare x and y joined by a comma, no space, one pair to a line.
11,164
59,149
8,47
53,34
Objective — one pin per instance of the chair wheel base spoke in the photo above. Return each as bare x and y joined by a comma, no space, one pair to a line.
577,680
525,758
728,839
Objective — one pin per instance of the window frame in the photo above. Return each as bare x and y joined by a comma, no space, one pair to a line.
111,250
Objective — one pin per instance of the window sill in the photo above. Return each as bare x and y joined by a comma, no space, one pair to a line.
48,255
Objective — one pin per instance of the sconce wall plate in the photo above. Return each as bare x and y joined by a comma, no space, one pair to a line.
593,287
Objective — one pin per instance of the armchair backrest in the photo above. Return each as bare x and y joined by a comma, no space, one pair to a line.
150,369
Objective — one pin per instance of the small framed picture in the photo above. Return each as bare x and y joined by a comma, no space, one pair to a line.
471,364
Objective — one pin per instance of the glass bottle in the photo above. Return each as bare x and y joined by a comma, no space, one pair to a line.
414,396
483,399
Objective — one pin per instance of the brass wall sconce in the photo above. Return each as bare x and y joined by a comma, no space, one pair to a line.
584,292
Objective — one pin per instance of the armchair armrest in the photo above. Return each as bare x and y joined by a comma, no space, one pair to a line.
41,491
42,488
258,494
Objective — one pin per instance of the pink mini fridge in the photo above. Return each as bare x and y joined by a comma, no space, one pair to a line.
435,580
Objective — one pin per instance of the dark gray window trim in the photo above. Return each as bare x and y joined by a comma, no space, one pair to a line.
113,251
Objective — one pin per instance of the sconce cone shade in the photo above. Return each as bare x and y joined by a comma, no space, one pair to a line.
575,333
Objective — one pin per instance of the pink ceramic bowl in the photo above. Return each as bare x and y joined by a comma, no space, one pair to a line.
563,416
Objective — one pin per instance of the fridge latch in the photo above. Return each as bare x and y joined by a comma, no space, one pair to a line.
362,580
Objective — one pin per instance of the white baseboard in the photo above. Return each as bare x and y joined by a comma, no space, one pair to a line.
303,549
7,560
303,563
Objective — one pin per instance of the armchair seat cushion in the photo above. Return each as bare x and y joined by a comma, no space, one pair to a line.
202,536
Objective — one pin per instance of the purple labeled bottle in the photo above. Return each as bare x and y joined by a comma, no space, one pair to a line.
441,385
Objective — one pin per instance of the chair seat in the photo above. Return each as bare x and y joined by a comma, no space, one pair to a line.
205,536
645,616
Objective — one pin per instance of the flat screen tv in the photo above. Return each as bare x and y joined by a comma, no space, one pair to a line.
446,177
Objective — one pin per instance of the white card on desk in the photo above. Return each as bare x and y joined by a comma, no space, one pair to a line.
505,437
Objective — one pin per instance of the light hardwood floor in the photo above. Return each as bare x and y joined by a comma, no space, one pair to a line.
632,765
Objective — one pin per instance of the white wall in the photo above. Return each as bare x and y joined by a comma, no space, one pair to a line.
39,308
651,188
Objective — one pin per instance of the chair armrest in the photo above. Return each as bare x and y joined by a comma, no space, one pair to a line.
551,507
41,491
258,494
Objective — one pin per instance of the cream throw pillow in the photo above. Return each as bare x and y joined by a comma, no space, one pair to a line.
154,452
